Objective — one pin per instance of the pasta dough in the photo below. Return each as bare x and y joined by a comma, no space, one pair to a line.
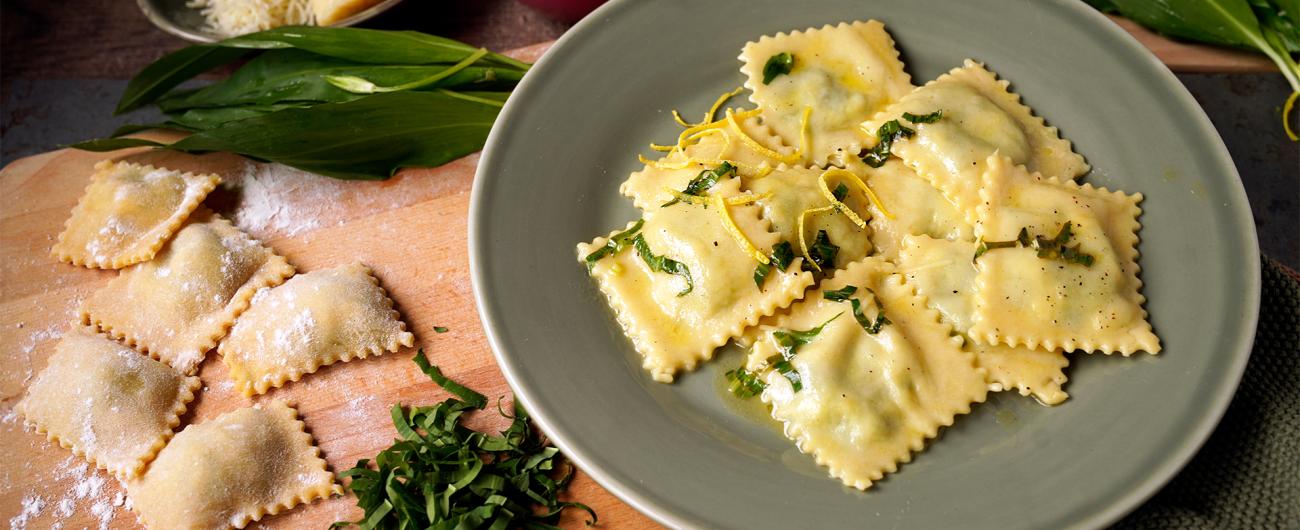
980,117
672,332
127,212
868,401
918,208
233,470
177,306
943,272
790,191
313,320
106,402
1042,303
844,73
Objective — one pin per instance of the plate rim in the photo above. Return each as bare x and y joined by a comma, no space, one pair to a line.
1171,464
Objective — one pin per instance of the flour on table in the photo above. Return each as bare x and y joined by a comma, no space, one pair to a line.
86,492
32,506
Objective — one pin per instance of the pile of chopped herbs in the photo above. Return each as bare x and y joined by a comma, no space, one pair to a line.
442,475
341,102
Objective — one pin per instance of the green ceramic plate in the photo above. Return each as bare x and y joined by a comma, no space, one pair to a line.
683,453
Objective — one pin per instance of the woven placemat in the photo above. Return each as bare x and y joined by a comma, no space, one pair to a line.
1248,474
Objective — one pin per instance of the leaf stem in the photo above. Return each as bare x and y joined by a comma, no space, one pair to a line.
359,85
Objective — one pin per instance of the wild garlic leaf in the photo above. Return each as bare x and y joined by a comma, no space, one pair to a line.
743,383
788,343
615,245
840,295
777,65
663,263
705,180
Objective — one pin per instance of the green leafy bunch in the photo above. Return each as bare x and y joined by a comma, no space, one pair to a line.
342,102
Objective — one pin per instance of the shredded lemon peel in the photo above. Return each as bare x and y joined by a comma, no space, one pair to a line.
805,135
713,110
803,243
734,200
753,144
823,183
866,190
730,225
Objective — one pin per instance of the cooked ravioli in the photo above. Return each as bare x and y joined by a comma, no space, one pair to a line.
790,191
841,75
127,212
980,117
177,306
675,328
915,206
106,402
1023,299
233,470
866,401
943,272
312,320
653,185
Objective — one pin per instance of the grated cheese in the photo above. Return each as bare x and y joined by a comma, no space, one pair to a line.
229,18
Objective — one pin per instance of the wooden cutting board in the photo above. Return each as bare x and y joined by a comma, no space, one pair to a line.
411,229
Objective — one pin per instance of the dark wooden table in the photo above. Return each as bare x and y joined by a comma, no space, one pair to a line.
62,67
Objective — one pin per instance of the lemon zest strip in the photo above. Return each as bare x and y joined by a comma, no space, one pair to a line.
805,135
730,225
871,195
754,145
840,207
734,200
803,243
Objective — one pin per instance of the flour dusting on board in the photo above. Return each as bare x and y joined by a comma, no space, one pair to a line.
271,200
85,491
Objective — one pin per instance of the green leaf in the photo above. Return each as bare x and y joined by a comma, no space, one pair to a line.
743,383
370,138
616,244
777,65
366,45
823,252
840,295
788,343
113,144
474,399
924,118
886,135
870,326
705,180
663,263
171,70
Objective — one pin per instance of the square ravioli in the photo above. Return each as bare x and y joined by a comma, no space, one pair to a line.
943,272
837,77
233,470
795,197
176,307
127,212
915,207
979,117
109,404
1075,285
748,146
677,319
861,373
313,320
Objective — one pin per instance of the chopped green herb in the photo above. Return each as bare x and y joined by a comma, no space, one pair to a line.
615,245
788,343
470,397
1054,248
924,118
870,326
777,65
744,384
840,295
840,192
823,252
886,134
985,246
782,256
663,263
441,474
705,180
440,329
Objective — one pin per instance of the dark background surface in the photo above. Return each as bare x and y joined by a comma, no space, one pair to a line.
63,65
